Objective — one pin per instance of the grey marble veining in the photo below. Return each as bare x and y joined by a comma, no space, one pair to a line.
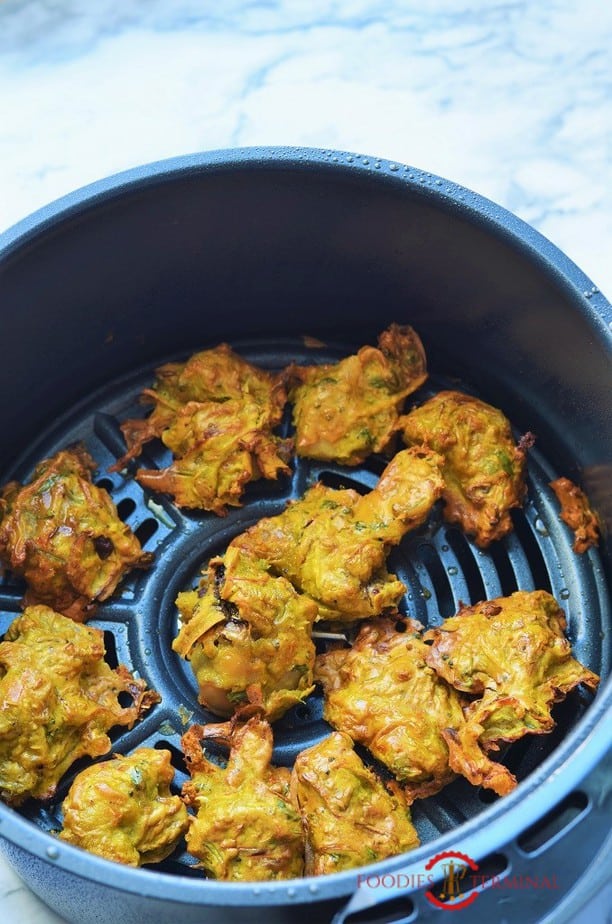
18,904
512,99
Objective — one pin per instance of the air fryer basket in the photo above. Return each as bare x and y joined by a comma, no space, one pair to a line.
260,247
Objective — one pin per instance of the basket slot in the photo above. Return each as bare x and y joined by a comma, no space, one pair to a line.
393,911
554,823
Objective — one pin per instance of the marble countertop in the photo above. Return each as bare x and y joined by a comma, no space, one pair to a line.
511,99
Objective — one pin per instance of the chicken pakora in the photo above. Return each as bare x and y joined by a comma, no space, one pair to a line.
58,701
577,514
123,809
247,635
350,817
382,693
246,827
512,652
347,410
216,413
332,544
63,535
484,468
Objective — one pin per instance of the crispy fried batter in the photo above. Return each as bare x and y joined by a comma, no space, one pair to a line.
484,468
58,700
350,818
332,544
246,827
216,413
576,512
247,635
247,629
123,809
344,411
511,651
64,536
218,450
384,695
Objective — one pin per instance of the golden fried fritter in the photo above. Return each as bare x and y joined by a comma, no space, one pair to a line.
247,629
246,827
332,544
218,450
484,469
123,809
216,413
58,700
247,634
384,695
350,818
344,411
513,653
64,536
576,512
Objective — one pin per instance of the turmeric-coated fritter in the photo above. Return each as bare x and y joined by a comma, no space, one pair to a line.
247,629
332,544
246,827
247,634
384,695
218,450
63,535
577,514
513,654
58,700
484,468
216,413
123,810
350,817
347,410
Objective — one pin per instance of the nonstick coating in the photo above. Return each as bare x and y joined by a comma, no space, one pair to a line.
259,248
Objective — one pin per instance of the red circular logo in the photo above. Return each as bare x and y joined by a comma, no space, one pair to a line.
454,866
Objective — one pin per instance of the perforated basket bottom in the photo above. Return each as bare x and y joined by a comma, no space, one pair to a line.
439,566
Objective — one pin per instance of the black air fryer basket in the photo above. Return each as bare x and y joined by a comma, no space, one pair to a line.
262,248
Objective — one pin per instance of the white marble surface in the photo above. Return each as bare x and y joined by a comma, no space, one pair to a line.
510,98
